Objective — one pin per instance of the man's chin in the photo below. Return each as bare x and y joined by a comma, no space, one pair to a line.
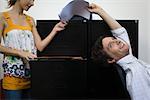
127,53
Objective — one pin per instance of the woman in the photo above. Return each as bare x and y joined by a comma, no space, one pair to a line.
21,40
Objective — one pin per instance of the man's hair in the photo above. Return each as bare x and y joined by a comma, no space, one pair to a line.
97,52
11,2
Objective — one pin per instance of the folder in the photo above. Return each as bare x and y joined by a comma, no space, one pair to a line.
75,7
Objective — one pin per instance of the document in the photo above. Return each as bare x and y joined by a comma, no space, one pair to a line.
75,7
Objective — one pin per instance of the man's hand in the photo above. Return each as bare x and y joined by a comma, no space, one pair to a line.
94,8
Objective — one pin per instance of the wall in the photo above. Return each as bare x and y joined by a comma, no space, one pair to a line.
119,9
148,32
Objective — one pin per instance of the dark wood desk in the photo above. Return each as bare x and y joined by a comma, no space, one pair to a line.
74,78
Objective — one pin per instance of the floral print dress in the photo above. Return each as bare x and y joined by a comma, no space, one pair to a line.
19,38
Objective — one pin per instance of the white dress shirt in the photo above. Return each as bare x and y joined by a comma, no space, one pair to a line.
137,72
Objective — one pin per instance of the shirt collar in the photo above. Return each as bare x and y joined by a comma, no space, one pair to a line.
127,59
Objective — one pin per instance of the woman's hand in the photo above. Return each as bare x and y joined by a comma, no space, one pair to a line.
59,26
26,55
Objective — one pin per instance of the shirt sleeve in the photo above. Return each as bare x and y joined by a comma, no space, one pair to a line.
121,34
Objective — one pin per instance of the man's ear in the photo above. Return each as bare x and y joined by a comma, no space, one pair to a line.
110,61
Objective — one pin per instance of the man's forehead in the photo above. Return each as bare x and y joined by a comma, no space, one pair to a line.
108,38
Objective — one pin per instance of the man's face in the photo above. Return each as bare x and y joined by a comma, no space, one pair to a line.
115,48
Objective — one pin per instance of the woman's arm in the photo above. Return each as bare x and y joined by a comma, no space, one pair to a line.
41,44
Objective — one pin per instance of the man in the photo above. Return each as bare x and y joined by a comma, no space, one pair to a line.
117,49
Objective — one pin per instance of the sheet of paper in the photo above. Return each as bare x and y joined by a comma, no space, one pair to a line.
75,7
